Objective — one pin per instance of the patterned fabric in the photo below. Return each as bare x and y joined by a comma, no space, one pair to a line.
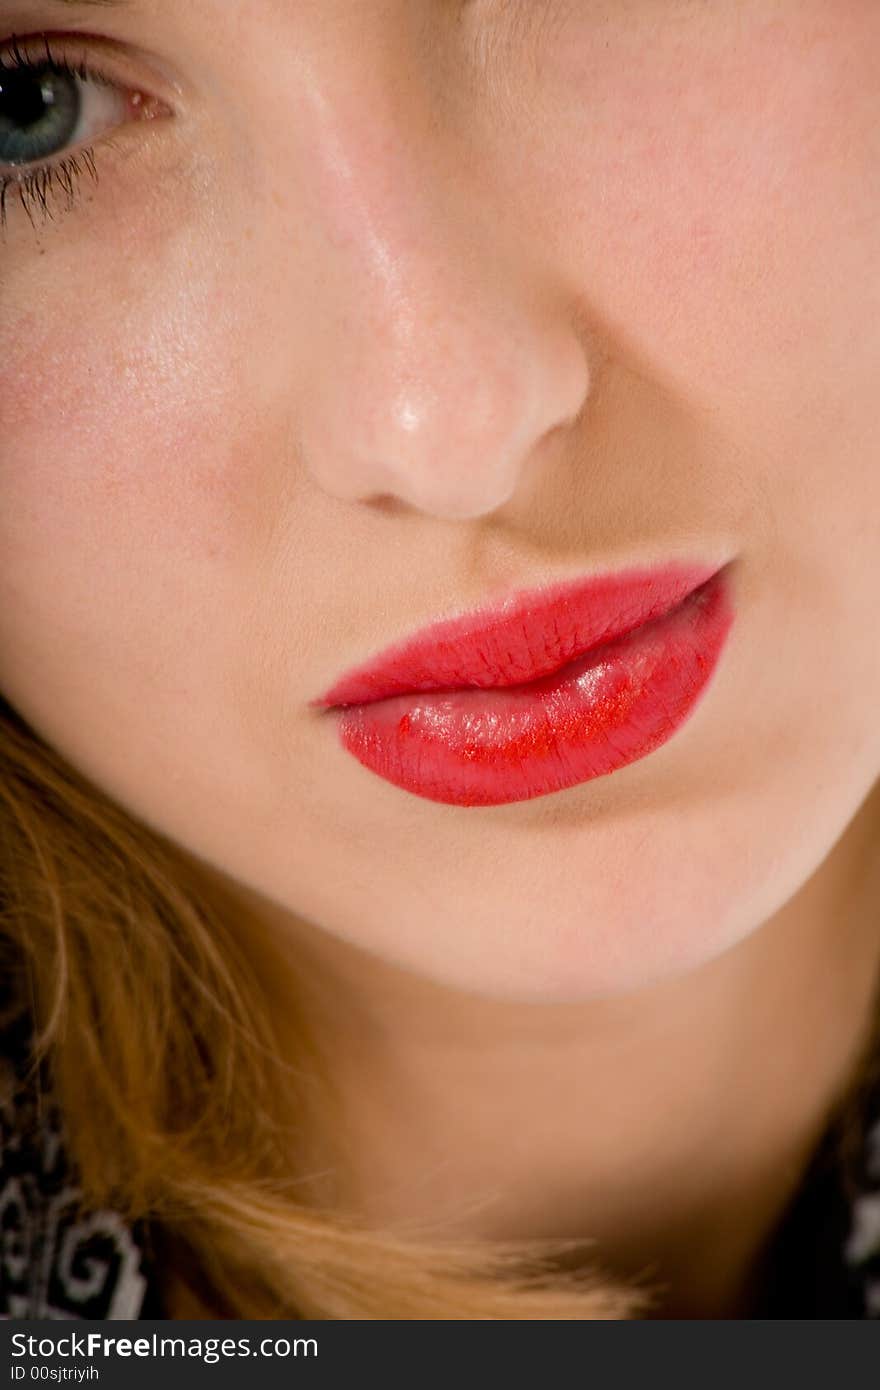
60,1261
57,1260
862,1249
824,1261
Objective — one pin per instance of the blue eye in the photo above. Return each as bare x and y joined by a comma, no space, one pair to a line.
41,109
52,107
48,107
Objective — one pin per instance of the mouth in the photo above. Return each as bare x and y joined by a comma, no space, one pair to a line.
531,634
550,689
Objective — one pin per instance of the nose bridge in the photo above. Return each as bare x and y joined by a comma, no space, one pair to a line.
435,366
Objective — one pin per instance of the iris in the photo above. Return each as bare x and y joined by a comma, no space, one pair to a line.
40,109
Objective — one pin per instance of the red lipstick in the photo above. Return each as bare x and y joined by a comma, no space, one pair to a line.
552,688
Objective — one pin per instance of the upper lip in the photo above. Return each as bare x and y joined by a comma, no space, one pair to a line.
530,634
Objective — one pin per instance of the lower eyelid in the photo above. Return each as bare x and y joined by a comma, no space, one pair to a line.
41,195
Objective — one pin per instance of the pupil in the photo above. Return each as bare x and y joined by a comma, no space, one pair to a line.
24,98
39,113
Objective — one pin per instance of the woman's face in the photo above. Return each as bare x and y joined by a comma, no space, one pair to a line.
380,310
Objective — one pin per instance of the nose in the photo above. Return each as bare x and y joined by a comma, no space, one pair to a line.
440,355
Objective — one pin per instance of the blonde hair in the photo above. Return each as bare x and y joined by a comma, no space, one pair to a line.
176,1107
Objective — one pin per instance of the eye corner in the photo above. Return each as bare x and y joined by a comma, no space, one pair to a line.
143,106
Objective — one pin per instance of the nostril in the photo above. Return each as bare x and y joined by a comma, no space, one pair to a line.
384,502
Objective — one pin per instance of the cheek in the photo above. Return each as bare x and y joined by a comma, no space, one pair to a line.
720,194
723,220
136,473
122,427
127,512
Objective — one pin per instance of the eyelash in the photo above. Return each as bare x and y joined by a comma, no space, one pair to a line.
37,186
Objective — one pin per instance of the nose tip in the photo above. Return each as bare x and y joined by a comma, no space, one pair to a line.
453,441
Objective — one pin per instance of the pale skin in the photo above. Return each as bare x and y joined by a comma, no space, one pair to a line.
403,304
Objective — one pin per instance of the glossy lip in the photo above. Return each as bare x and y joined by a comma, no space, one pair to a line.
531,634
623,662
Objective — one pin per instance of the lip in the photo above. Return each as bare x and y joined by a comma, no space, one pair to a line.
549,689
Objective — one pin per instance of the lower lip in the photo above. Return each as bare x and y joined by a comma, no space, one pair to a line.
609,708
